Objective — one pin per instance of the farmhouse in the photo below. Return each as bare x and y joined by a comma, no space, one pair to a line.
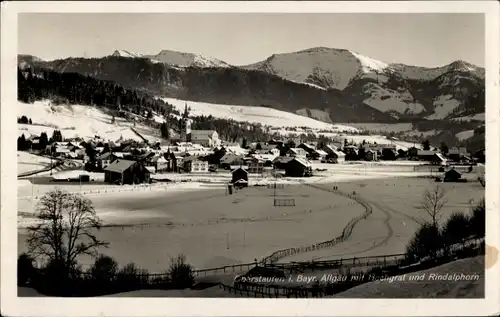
330,148
425,155
122,171
457,153
281,161
337,157
193,164
296,152
105,159
208,138
306,147
452,176
320,154
240,176
371,155
298,167
256,166
389,152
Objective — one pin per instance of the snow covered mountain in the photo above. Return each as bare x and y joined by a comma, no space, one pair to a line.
331,85
187,59
322,66
398,89
124,53
176,58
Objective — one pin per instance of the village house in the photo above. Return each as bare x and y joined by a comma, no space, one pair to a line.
239,176
336,157
389,152
193,164
298,167
318,155
452,176
431,156
330,148
371,155
105,159
275,152
296,152
280,162
207,138
457,154
256,166
230,159
351,152
162,164
122,171
306,147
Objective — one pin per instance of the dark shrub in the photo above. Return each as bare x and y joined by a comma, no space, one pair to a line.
425,243
25,269
58,277
456,229
477,219
104,270
181,273
130,277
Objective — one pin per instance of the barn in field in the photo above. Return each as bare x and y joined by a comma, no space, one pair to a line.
298,167
452,176
122,171
240,177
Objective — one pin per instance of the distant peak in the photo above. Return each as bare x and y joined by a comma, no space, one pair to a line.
461,65
322,49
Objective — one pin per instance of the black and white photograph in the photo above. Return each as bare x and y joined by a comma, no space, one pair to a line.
251,155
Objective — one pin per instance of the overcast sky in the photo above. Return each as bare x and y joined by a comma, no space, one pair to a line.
240,39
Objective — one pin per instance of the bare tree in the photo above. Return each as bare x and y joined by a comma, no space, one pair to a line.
433,202
67,229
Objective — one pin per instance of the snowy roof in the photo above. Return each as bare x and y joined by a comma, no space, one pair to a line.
302,161
239,168
282,159
441,157
339,153
105,156
321,152
119,166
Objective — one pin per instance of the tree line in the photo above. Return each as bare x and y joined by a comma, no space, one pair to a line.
36,83
68,230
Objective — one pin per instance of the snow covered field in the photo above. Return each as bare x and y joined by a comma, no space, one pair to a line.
78,121
214,229
395,209
27,162
150,224
263,115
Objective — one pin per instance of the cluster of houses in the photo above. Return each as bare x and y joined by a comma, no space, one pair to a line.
130,162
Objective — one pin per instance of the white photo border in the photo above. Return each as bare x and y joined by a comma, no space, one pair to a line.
11,305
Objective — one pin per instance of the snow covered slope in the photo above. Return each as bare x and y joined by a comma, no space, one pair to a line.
424,73
265,116
78,121
176,58
187,59
322,66
124,53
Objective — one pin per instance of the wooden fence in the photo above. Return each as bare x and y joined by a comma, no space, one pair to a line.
326,244
278,202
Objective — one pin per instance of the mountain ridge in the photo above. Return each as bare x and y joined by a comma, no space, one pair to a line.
339,83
